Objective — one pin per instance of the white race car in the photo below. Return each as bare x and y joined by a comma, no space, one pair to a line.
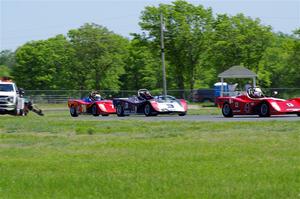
145,103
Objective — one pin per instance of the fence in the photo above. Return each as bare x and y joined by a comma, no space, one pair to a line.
62,96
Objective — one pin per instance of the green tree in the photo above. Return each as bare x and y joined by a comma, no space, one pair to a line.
99,57
239,40
274,61
188,29
42,64
293,63
7,61
4,71
7,58
143,68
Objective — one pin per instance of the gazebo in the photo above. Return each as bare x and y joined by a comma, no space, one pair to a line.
237,72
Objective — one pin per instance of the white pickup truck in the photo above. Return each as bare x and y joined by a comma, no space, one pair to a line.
11,98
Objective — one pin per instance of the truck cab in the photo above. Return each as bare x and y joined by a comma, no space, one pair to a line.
11,98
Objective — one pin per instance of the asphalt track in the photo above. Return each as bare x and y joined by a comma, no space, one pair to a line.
200,118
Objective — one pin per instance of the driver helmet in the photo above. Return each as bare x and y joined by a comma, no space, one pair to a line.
257,92
144,93
95,96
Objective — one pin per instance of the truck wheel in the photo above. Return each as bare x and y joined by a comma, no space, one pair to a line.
22,112
73,111
227,111
264,110
17,112
120,110
95,110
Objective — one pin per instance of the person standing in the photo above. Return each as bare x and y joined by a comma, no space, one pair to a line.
248,85
232,88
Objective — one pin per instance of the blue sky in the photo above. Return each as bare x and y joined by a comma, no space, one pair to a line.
24,20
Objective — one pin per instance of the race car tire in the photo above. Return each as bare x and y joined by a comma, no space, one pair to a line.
264,110
148,110
73,111
120,111
227,111
95,110
182,114
298,114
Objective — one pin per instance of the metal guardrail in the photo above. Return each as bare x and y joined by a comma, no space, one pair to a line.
62,96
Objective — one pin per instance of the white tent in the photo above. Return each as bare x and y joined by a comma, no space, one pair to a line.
237,72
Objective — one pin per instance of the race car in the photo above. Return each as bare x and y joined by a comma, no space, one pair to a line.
254,102
145,103
93,104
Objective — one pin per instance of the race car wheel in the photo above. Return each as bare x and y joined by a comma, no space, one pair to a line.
298,114
227,111
95,110
120,110
148,110
73,111
182,114
264,110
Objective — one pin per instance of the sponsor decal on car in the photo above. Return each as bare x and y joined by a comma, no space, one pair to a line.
275,105
293,109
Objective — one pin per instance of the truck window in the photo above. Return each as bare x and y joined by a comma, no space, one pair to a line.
6,88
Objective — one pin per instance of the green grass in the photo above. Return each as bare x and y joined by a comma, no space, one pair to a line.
57,156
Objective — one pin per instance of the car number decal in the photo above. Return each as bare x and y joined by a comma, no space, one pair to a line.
170,106
290,104
247,108
236,105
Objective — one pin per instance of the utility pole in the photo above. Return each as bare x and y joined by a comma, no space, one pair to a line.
162,47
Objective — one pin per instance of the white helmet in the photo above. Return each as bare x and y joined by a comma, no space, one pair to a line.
95,96
257,92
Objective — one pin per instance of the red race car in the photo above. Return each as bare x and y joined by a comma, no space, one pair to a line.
254,102
93,104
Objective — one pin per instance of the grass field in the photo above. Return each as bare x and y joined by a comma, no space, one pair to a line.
58,157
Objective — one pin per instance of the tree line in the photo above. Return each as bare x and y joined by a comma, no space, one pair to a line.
198,45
